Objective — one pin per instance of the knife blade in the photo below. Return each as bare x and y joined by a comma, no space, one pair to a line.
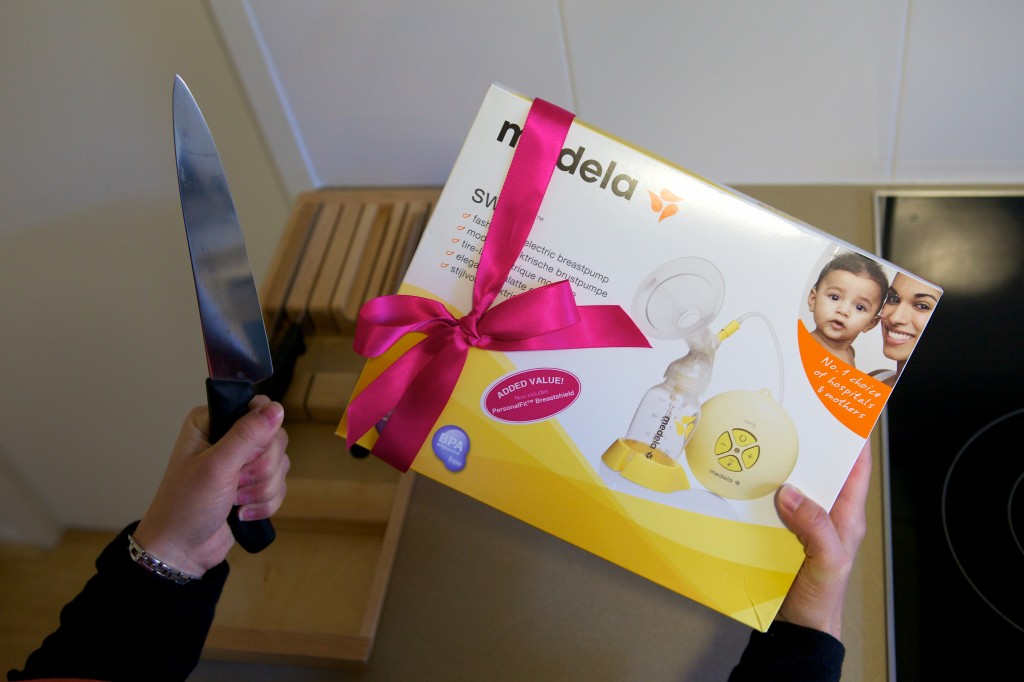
237,350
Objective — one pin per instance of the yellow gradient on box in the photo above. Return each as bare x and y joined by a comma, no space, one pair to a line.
536,473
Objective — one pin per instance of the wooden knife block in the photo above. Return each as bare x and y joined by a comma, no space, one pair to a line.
314,597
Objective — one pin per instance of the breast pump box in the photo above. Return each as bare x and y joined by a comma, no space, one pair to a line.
665,459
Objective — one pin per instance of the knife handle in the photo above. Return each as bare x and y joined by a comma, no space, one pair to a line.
228,402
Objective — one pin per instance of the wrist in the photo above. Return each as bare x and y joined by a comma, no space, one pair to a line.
164,539
155,565
827,620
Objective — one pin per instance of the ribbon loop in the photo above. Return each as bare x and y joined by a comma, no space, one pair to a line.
412,392
384,320
516,318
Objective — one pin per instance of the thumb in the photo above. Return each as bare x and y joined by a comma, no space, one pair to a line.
808,520
252,433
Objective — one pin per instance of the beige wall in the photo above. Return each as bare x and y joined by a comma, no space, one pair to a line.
99,339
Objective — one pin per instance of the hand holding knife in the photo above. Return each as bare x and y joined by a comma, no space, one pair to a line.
237,350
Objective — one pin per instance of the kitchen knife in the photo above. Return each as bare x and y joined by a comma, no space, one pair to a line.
237,351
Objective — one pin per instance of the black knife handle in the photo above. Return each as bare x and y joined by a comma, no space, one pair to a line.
228,402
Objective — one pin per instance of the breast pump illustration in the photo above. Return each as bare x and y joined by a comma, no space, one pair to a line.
740,444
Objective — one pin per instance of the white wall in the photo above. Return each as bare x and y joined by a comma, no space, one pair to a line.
100,347
742,92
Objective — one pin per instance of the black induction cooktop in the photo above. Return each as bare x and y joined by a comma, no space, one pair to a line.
954,441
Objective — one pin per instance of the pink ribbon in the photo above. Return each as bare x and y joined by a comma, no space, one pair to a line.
413,391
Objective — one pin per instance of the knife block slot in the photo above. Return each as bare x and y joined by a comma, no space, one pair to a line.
349,246
314,597
325,376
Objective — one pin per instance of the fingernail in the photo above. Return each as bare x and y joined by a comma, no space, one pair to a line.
790,497
271,413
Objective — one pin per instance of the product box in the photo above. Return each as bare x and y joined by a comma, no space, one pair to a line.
742,357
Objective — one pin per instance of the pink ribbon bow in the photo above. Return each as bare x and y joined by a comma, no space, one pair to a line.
413,391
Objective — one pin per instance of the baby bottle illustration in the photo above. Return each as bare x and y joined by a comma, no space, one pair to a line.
677,301
669,411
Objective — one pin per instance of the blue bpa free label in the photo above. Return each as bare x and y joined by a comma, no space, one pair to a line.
451,445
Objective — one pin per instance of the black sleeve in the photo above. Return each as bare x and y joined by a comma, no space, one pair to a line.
129,624
790,652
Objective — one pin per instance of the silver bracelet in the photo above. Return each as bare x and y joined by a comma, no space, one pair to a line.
154,565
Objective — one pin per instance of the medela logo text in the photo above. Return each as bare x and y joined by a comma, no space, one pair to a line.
574,162
603,175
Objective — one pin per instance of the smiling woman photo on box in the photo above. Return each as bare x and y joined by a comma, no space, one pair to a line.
907,309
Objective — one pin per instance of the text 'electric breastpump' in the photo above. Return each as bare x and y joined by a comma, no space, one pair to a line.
740,444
